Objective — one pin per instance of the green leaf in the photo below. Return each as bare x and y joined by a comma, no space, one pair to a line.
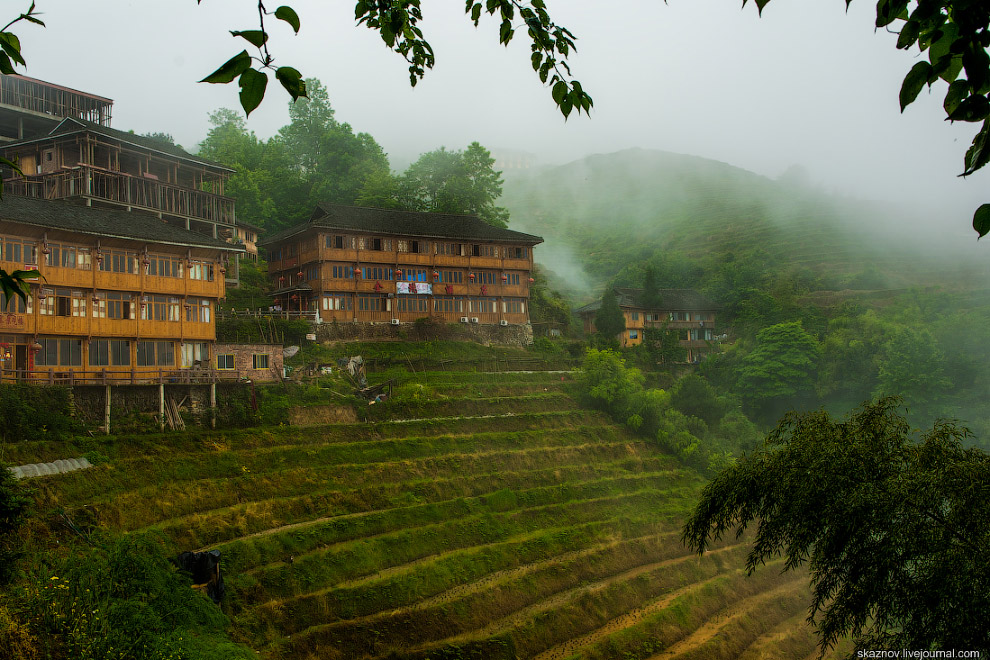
288,14
958,90
253,84
978,153
232,68
565,107
916,78
559,91
292,81
760,4
12,46
256,38
909,34
981,220
476,12
5,65
975,108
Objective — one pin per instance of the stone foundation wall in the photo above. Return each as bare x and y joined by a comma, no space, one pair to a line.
512,335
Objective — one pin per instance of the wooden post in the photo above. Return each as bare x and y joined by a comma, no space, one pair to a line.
213,405
161,406
106,412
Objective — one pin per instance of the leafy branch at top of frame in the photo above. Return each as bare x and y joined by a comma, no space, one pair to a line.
10,45
955,35
254,82
397,21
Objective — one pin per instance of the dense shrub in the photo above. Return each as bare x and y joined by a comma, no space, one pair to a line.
121,598
33,412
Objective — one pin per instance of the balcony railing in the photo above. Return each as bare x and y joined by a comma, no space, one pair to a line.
139,376
127,190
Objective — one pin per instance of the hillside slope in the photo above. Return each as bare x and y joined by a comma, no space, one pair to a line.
535,529
605,211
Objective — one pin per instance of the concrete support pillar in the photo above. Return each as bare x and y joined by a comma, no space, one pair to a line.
106,412
161,406
213,405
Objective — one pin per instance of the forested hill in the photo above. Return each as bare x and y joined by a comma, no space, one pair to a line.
630,206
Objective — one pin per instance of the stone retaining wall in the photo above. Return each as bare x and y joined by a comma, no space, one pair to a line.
511,335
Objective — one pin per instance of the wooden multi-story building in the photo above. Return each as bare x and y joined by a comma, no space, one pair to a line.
30,107
355,264
124,297
684,311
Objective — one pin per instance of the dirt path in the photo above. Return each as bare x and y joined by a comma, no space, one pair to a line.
722,618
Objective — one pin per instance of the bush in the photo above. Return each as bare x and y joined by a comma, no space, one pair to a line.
14,506
34,412
122,599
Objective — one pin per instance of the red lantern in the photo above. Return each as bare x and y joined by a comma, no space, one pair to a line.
471,277
357,272
505,278
398,273
436,275
294,297
281,278
531,280
96,299
300,274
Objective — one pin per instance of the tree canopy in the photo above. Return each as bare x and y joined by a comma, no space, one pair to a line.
609,321
895,530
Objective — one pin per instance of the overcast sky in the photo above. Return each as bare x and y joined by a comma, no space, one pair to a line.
808,83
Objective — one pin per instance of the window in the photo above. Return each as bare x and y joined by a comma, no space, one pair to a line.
19,250
155,354
225,362
163,266
634,316
413,275
634,334
514,306
512,278
484,251
450,276
455,249
194,353
59,353
201,270
343,272
198,311
484,277
119,305
116,261
13,305
372,303
482,305
259,361
62,302
275,255
413,304
312,273
377,273
448,304
516,253
337,302
106,352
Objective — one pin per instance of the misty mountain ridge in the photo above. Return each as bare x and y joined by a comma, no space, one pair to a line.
607,211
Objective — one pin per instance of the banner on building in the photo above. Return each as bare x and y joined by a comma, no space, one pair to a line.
414,287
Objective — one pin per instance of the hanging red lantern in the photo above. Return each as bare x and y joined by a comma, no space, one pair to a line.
294,297
531,280
46,249
300,274
281,278
436,275
505,278
398,273
471,277
357,272
96,299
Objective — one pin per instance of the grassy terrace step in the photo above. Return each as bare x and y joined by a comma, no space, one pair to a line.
681,614
292,493
525,610
463,377
172,444
266,548
349,560
512,583
470,405
113,479
449,577
791,638
482,389
292,517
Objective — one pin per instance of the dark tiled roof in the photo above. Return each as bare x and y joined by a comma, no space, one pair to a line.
405,223
133,225
71,125
674,300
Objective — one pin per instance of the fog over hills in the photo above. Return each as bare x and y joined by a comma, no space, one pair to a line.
604,212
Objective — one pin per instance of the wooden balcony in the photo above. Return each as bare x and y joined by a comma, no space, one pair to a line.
119,188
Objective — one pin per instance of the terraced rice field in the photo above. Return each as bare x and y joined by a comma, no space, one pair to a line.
495,520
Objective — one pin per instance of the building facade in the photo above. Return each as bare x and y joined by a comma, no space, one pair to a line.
684,311
355,264
124,297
